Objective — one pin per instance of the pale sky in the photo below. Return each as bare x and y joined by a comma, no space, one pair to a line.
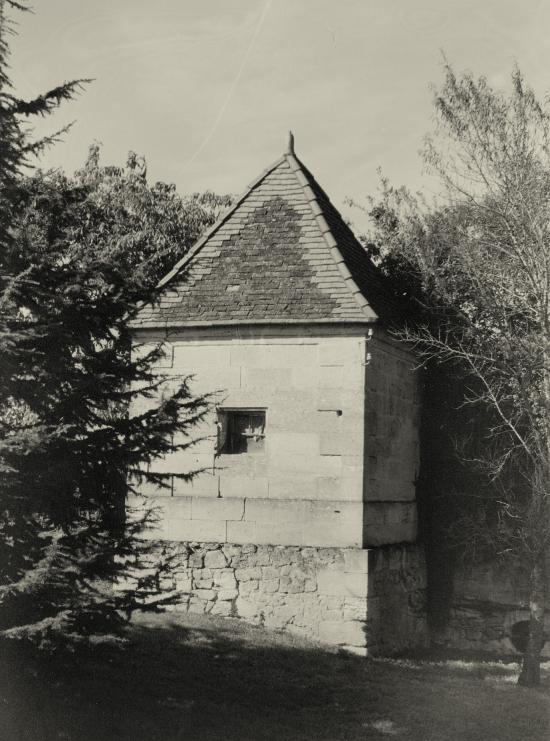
208,89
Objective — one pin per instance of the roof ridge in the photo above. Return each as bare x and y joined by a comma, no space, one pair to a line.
197,246
297,168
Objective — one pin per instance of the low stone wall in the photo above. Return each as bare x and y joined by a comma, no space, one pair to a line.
366,601
489,608
487,627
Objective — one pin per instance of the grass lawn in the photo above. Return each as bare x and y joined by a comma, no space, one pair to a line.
181,677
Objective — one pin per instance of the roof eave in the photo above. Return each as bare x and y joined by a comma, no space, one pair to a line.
251,322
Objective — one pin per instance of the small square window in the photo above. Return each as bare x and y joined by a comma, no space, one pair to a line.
241,431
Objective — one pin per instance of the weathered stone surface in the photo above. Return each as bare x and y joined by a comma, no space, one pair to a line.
197,605
331,582
184,583
298,630
327,594
245,609
356,609
356,561
248,574
315,443
221,608
245,587
230,550
280,556
292,585
217,508
196,560
205,594
269,585
225,578
262,557
241,532
202,573
215,560
270,572
167,582
391,429
228,594
285,613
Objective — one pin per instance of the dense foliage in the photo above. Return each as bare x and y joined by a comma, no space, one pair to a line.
77,255
475,267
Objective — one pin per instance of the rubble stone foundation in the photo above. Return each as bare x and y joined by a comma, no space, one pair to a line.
366,601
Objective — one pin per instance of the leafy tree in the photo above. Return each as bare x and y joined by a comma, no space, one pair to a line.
77,256
475,266
152,224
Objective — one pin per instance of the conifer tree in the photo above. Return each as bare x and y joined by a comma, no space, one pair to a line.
75,262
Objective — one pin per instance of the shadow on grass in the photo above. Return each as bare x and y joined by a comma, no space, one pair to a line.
195,677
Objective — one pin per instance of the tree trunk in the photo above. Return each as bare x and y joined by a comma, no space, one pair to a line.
530,670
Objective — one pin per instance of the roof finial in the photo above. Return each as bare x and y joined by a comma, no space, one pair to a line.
290,148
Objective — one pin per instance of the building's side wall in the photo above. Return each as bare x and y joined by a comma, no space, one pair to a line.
363,601
306,487
397,599
392,419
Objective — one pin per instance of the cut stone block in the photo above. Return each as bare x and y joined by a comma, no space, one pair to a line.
221,607
331,377
227,594
334,583
390,522
340,351
219,508
241,532
215,560
331,441
306,379
204,484
188,357
195,530
297,487
297,444
356,561
217,378
245,609
165,509
275,378
242,486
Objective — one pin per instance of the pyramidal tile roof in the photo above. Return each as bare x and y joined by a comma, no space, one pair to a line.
281,254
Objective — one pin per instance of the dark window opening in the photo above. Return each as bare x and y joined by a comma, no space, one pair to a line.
241,431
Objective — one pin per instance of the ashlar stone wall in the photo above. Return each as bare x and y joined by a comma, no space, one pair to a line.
306,485
392,458
364,601
341,438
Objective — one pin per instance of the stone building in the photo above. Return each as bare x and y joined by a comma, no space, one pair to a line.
303,515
